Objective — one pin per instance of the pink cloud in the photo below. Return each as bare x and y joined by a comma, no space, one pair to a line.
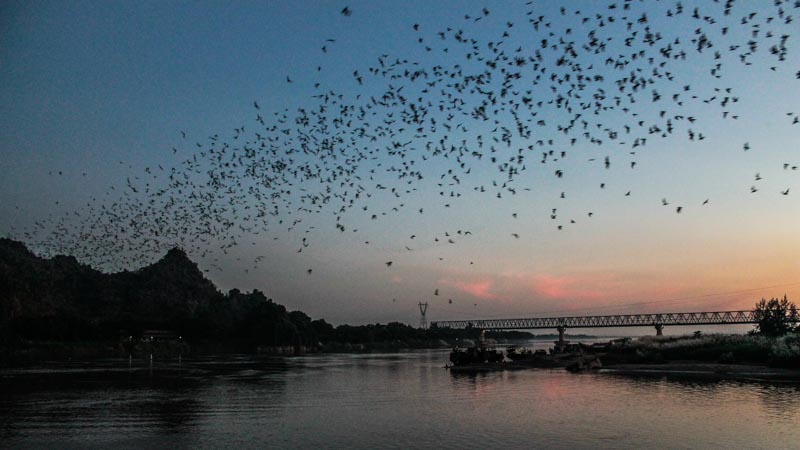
525,286
478,289
581,289
596,292
573,287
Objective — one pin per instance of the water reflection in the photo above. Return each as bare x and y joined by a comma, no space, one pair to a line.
780,402
392,400
106,400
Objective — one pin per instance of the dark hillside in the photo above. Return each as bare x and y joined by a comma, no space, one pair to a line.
61,300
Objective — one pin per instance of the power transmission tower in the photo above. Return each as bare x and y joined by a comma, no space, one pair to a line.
423,308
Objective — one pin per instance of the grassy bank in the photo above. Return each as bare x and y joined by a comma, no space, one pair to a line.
713,348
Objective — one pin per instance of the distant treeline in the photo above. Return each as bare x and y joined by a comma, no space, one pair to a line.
60,299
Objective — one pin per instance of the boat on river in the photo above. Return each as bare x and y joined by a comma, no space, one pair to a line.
475,358
485,357
481,357
515,353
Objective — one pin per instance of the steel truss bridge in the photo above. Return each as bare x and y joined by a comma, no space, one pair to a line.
620,320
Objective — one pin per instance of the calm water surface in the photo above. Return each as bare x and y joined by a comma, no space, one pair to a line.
388,400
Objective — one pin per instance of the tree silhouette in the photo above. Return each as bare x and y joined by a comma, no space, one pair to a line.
775,317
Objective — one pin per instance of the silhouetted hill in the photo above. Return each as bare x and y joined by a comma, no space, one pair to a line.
167,293
60,298
35,291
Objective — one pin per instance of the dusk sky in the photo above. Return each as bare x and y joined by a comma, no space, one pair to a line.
276,142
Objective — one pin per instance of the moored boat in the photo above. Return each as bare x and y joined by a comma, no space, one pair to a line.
515,353
483,356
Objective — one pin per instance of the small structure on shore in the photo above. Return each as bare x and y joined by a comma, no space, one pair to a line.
161,336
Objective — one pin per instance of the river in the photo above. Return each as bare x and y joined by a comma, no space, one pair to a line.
378,400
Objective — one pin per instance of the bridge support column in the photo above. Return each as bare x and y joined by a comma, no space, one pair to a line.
561,329
659,329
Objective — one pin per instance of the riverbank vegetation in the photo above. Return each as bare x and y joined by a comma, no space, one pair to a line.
775,341
776,317
783,351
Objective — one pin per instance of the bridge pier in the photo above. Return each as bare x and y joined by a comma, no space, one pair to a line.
561,343
561,329
659,329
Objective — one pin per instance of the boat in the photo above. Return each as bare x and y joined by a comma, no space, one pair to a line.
483,356
475,355
515,353
523,357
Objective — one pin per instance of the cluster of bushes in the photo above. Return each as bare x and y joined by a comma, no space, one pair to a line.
711,348
775,341
785,351
753,348
776,317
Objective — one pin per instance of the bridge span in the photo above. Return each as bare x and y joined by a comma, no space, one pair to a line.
618,320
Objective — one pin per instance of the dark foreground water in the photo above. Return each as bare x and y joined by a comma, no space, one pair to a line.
390,400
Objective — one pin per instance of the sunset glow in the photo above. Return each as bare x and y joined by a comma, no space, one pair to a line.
288,158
